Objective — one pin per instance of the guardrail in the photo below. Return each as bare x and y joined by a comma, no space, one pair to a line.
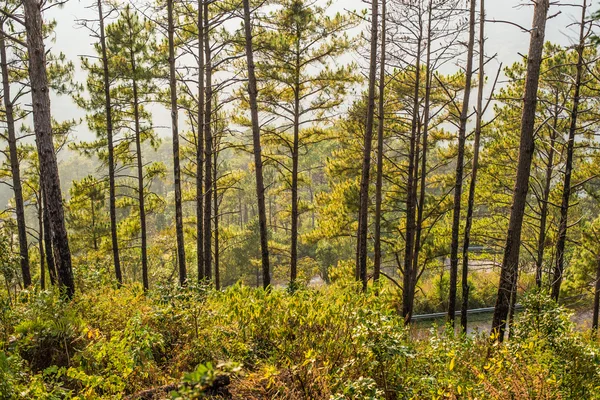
486,310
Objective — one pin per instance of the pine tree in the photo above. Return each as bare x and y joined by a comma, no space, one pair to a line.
131,42
300,88
42,121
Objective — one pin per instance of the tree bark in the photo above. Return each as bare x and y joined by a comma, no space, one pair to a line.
424,150
596,297
111,152
176,165
216,211
510,263
40,211
140,171
42,122
208,144
14,165
475,166
566,195
368,143
260,186
411,200
200,147
379,181
545,197
295,155
52,272
458,185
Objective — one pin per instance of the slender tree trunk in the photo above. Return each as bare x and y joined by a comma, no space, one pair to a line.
379,182
14,165
93,217
42,122
475,166
40,211
368,143
295,155
411,200
208,143
510,262
140,171
200,147
423,177
216,210
596,297
175,129
513,302
260,186
52,272
464,116
111,152
566,196
545,197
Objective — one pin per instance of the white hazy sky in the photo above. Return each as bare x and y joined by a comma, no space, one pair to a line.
504,39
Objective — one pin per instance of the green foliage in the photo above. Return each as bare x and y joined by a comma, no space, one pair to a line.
332,343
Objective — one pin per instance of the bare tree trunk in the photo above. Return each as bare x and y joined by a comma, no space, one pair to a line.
140,171
596,297
510,262
260,186
411,200
52,272
176,166
566,196
424,148
464,116
379,182
295,155
14,165
368,143
40,211
208,143
475,166
216,210
42,122
545,197
200,147
111,152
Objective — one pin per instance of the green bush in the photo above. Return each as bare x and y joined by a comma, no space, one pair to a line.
331,343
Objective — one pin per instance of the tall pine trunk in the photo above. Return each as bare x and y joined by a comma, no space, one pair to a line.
411,200
200,147
566,195
52,272
475,166
458,184
175,131
510,262
379,181
14,165
216,211
545,197
111,153
260,186
596,297
208,144
40,212
424,149
295,155
42,122
368,143
140,177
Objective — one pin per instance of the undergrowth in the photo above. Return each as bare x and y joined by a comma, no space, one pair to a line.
331,343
